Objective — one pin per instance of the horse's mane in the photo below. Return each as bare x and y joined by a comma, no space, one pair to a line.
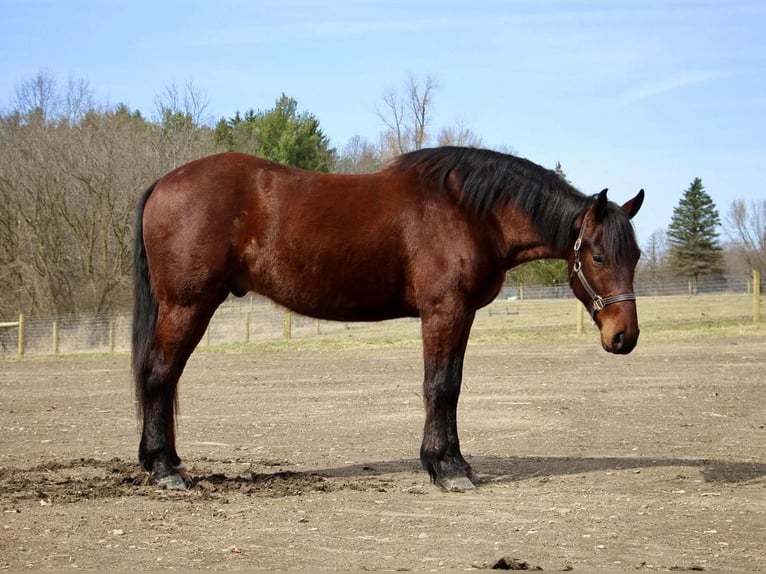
489,179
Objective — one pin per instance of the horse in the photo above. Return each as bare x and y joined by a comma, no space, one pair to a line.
431,235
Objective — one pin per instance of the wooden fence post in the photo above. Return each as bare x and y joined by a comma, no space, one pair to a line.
111,335
247,326
55,337
288,325
756,295
20,325
22,335
580,315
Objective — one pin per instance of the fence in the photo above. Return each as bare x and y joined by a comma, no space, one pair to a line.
527,308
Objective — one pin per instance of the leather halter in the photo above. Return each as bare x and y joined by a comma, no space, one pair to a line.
597,301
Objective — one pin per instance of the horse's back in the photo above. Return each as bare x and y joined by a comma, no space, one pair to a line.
323,244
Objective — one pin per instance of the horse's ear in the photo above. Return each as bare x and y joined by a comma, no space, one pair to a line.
632,206
599,211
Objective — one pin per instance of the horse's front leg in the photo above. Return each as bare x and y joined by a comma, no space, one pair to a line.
444,341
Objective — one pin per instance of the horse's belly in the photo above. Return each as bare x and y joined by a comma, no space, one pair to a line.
336,290
338,306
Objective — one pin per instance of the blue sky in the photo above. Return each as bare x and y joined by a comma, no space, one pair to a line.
624,94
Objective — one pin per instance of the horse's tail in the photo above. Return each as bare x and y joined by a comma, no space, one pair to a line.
145,306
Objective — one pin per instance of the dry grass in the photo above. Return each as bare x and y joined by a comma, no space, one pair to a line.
552,320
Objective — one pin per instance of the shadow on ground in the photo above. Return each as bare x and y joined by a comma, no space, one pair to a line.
510,469
90,478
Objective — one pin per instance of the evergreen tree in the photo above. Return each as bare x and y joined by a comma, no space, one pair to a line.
281,134
693,234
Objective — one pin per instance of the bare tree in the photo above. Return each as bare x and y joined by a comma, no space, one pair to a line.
190,103
459,135
37,98
654,260
359,156
78,100
70,173
71,207
181,117
746,227
408,116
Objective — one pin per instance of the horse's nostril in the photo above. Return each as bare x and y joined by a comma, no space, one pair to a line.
618,341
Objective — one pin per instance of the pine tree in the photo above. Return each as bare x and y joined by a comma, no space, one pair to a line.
693,234
281,134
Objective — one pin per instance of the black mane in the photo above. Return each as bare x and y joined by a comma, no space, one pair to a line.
490,179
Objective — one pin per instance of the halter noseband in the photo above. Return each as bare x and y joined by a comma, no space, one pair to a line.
597,301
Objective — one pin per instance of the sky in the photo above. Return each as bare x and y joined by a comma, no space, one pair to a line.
624,94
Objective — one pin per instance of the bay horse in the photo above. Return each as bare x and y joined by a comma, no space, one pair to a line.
431,235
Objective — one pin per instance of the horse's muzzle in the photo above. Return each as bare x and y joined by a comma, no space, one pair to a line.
621,343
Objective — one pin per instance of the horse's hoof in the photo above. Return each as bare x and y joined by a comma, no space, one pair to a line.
170,482
456,484
184,474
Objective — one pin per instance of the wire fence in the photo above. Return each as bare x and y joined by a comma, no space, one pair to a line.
517,308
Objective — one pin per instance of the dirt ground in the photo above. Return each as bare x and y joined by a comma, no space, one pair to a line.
307,459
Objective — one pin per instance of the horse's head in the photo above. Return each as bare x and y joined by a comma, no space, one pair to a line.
601,267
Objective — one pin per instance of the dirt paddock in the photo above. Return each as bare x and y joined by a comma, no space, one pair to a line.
306,458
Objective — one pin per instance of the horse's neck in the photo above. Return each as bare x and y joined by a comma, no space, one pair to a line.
523,241
531,251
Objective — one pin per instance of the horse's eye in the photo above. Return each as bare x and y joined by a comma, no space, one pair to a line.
597,259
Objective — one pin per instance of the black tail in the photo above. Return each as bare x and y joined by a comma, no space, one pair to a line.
144,305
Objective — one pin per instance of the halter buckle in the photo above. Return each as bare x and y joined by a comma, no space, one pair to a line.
598,303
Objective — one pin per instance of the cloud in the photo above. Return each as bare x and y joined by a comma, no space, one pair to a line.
672,83
312,29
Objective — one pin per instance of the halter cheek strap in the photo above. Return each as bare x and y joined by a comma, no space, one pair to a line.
597,301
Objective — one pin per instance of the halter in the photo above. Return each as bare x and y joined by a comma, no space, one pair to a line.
597,301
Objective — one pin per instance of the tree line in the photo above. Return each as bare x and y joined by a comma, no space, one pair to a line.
71,169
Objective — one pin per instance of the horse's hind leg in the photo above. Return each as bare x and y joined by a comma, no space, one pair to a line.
177,332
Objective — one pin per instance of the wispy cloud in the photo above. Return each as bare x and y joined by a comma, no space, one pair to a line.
312,29
669,84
